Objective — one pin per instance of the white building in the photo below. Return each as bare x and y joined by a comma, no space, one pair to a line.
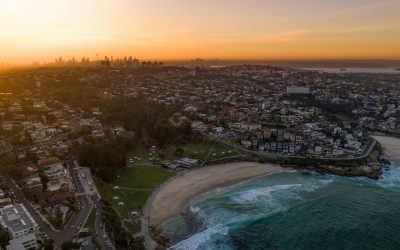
57,174
22,228
28,241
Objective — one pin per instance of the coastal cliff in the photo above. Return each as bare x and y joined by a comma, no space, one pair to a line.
372,172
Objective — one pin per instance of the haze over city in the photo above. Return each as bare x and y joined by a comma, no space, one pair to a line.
41,30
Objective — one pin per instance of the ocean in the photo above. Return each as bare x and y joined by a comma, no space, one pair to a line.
358,70
296,210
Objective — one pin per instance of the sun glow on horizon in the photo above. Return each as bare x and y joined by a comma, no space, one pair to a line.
41,30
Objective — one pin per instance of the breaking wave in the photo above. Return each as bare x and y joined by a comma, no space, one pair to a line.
201,240
294,210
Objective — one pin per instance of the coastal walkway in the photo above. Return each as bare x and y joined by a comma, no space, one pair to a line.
272,156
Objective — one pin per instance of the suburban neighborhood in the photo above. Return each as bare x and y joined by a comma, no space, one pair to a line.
57,191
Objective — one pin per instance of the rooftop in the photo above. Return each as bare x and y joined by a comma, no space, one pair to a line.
16,218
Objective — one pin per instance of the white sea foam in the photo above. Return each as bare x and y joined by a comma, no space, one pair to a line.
201,240
251,195
264,192
194,209
219,221
200,214
234,207
391,176
291,171
326,182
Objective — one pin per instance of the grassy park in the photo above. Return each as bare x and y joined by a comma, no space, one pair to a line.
132,187
203,151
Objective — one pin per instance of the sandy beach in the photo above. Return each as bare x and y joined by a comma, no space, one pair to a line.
172,197
391,145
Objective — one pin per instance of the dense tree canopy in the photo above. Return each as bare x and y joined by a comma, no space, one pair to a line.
149,120
103,158
151,123
4,238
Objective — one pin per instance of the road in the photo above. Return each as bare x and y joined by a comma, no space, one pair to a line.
61,236
77,221
84,201
86,189
102,237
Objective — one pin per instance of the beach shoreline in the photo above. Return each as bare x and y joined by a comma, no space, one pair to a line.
173,197
390,144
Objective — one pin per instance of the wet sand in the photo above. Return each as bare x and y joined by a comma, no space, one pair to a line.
172,197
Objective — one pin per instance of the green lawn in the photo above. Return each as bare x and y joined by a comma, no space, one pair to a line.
209,150
139,151
135,186
200,151
136,183
146,177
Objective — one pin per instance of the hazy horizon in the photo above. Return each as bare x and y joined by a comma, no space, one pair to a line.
43,30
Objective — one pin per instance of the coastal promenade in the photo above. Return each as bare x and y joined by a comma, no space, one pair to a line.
272,156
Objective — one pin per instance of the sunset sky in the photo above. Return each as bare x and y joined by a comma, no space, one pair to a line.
41,30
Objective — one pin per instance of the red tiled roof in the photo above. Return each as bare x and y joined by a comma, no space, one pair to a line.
48,160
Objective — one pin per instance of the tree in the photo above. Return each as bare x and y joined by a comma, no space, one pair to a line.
56,219
104,158
138,243
4,239
12,171
86,130
47,244
179,152
30,156
69,245
44,179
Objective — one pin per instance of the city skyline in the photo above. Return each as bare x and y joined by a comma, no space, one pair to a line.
179,30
